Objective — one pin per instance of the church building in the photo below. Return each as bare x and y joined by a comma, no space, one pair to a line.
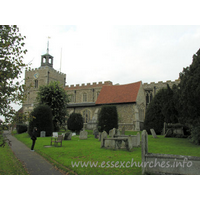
131,99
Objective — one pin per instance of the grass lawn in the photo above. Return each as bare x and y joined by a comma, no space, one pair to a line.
9,164
89,150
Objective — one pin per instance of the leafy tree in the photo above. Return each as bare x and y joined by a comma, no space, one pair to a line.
41,117
107,118
189,96
154,117
56,98
168,106
161,109
75,122
11,63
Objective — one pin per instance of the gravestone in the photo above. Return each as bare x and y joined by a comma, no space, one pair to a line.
138,139
123,130
43,134
73,134
99,136
83,135
117,132
153,133
96,133
55,134
104,135
112,132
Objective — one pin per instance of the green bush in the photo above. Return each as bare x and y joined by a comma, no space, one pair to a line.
41,117
21,128
107,118
75,122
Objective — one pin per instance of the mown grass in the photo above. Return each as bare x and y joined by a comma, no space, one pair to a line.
77,150
9,164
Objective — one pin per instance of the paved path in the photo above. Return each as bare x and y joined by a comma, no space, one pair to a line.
34,163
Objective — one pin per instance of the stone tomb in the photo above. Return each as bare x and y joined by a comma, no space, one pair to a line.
83,135
153,133
119,142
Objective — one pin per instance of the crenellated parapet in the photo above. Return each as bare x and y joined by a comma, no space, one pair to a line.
160,84
42,69
87,85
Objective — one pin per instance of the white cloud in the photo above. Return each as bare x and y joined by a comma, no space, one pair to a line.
121,54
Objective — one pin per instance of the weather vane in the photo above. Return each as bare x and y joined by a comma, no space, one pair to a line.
48,45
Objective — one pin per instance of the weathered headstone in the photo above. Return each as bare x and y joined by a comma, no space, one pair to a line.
117,132
83,135
112,132
123,130
153,133
104,135
138,139
73,134
99,136
55,134
43,134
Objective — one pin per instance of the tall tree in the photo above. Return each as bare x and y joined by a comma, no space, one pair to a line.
168,107
11,63
154,117
189,99
56,98
161,109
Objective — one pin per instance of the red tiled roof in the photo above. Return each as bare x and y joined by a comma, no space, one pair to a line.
119,93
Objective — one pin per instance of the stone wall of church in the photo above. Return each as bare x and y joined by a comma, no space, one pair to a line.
126,115
85,92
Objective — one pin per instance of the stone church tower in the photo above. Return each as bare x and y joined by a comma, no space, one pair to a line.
43,75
